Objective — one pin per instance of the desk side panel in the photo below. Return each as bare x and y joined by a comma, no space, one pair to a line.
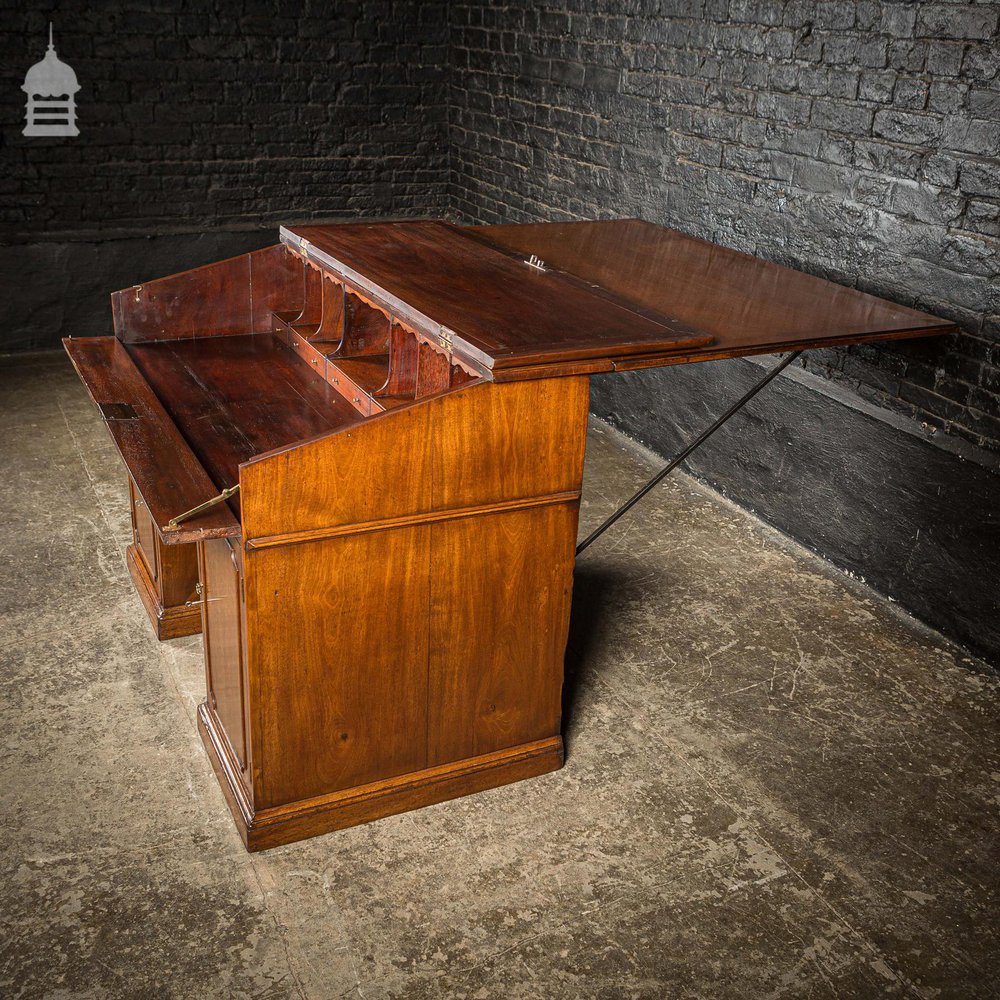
337,642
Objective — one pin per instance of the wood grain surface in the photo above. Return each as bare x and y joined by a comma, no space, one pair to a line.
236,397
748,305
500,310
167,474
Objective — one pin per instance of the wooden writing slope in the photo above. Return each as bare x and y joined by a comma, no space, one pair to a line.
385,599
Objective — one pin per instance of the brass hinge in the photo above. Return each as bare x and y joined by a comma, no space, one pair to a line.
224,495
447,338
536,262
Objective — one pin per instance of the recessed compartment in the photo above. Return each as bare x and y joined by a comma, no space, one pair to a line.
375,361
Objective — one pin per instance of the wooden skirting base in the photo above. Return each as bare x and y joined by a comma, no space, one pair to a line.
168,623
338,810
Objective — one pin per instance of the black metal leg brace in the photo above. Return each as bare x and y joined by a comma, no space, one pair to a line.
696,443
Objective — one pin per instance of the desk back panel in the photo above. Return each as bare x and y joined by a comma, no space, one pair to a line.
228,297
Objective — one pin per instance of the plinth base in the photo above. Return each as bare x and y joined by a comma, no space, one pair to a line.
353,806
168,622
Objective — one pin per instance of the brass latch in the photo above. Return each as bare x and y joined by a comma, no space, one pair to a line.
224,495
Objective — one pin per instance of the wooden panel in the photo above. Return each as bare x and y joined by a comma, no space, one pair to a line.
366,330
276,285
331,325
366,374
501,311
483,443
500,601
748,305
401,380
178,569
169,622
228,297
286,824
164,575
311,314
205,302
143,532
434,371
513,440
166,472
355,475
235,397
221,625
337,641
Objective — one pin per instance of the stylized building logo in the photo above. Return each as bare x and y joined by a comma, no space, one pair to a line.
51,86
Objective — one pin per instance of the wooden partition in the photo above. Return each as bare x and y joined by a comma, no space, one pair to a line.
165,576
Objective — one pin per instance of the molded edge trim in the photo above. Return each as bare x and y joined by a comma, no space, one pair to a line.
429,517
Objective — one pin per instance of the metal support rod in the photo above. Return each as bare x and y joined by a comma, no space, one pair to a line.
174,522
696,443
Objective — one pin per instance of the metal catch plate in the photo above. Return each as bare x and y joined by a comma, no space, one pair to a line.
117,411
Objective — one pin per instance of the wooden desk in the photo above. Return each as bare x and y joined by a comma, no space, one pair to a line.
385,601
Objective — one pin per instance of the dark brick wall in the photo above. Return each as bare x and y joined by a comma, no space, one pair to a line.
855,140
196,116
859,141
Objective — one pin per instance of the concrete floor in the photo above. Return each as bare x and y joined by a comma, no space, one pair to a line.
777,784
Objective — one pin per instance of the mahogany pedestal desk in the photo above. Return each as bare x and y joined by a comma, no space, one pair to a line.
363,448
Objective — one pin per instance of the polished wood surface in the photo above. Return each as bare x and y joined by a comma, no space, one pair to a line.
360,608
432,610
168,476
168,621
220,566
748,305
510,689
235,397
501,312
265,828
501,432
165,576
228,297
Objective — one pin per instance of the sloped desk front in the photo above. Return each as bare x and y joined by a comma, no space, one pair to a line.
385,599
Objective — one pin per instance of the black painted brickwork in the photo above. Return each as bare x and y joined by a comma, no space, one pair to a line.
225,114
856,140
859,141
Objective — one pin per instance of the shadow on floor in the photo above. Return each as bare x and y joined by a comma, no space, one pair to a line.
589,618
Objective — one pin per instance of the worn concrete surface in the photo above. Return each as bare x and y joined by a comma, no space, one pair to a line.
777,785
